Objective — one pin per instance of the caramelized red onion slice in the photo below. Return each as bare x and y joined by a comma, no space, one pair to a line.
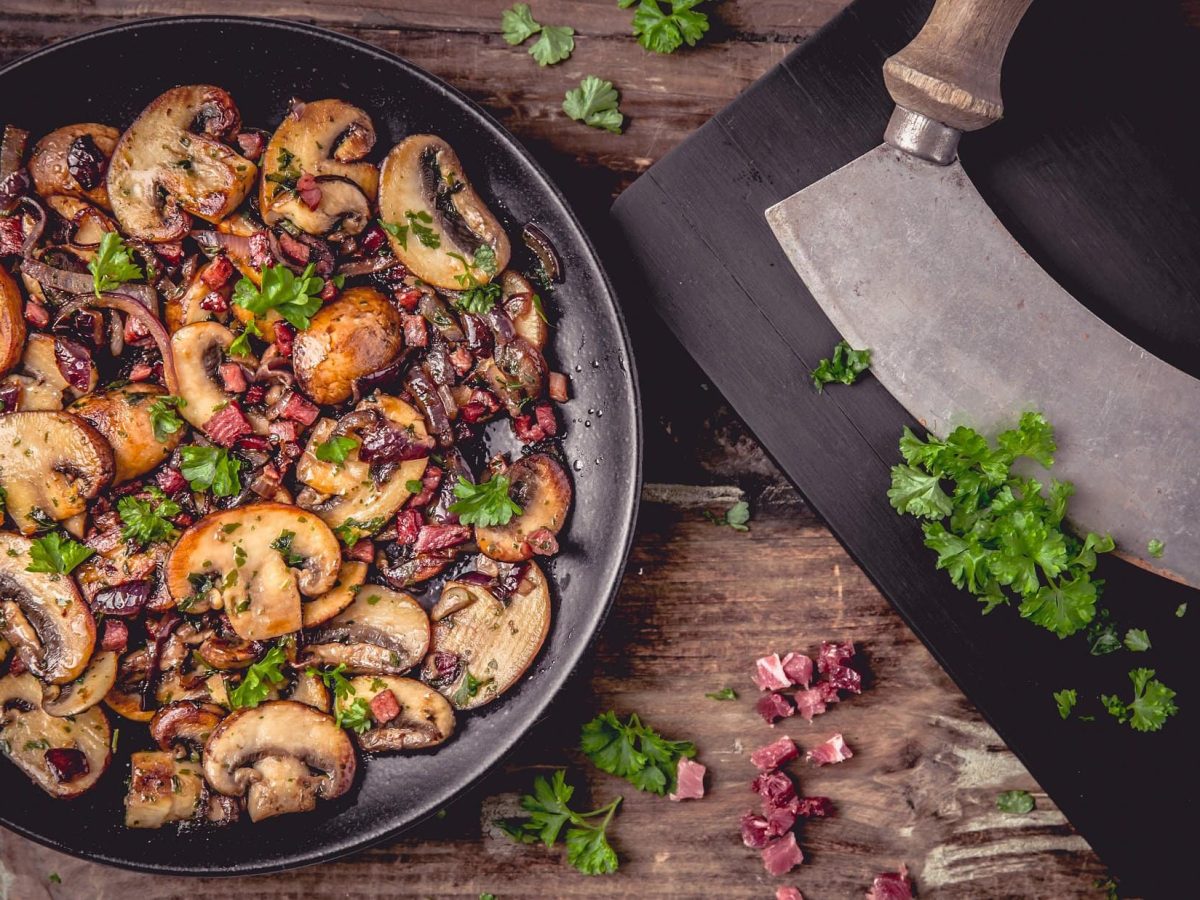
166,625
368,266
123,599
121,303
39,225
428,400
82,283
535,239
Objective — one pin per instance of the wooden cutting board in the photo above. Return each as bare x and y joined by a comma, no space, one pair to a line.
1107,199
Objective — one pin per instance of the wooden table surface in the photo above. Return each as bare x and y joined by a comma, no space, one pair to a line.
699,602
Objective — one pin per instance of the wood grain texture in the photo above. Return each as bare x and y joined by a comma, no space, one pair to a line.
699,602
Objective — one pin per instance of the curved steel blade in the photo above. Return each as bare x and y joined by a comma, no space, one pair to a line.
965,328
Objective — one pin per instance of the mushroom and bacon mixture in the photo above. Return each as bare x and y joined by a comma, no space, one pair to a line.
243,382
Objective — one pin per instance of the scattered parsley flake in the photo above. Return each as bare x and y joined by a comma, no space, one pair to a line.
633,751
555,44
725,693
735,517
1155,548
595,103
517,24
1181,610
163,417
1015,802
240,345
843,367
336,449
351,531
147,523
486,503
1153,702
260,679
1137,640
1065,700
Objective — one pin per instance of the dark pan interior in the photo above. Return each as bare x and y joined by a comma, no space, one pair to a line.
109,76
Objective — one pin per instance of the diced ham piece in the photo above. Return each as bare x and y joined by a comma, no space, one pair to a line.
372,239
833,750
251,144
285,336
439,537
363,551
227,425
213,302
12,236
844,678
782,855
462,360
546,420
558,388
543,542
171,480
774,755
689,780
217,273
298,409
415,333
814,807
776,790
809,703
36,314
408,526
780,821
116,635
309,190
834,654
527,430
140,372
891,886
295,250
233,377
472,412
774,707
170,252
256,393
788,893
283,430
798,668
407,298
384,707
754,831
260,250
254,442
769,674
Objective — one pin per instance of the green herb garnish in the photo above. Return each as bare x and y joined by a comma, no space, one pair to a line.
666,32
240,346
57,555
260,679
146,523
211,467
1015,802
549,811
725,693
336,449
1065,700
1152,704
295,297
633,751
1155,548
351,531
163,417
595,103
844,366
486,503
735,517
1137,640
113,265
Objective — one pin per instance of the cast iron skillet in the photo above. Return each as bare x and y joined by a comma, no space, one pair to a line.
109,76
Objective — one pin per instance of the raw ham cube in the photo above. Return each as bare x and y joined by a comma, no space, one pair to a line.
788,893
775,789
833,750
810,703
774,707
798,668
754,831
769,674
844,678
814,807
834,654
689,780
780,821
772,756
782,855
829,692
891,886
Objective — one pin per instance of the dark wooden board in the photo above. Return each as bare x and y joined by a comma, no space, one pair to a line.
1104,197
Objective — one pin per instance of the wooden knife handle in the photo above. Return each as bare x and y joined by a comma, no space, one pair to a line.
950,72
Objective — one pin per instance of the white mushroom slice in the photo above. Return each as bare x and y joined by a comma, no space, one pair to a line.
122,416
383,632
43,384
350,578
12,322
282,755
163,168
50,161
51,464
352,490
183,727
537,484
85,691
64,757
425,717
327,139
258,560
518,301
480,646
422,183
162,790
185,309
310,690
125,697
88,224
199,349
43,616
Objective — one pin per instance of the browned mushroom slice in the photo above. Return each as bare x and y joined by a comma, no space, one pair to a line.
125,697
72,160
517,373
481,646
270,753
12,322
541,488
199,349
418,716
310,690
444,234
188,306
162,790
256,561
355,335
64,757
183,727
86,223
164,168
123,416
40,379
383,632
521,302
5,649
85,691
326,140
226,652
337,598
43,616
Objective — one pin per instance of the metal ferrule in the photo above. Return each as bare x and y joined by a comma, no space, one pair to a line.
922,137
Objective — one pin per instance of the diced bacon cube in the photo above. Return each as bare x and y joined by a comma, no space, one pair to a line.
780,821
833,750
309,190
462,360
415,332
217,272
116,635
809,703
36,314
754,831
774,755
233,377
213,302
260,250
798,669
170,479
782,855
775,788
833,654
472,412
12,236
429,484
384,707
254,442
557,387
844,678
543,542
407,298
814,807
363,551
545,419
170,252
439,537
489,401
788,893
299,409
282,430
227,425
891,886
251,144
527,430
408,526
285,337
769,674
256,393
372,239
773,707
17,666
689,780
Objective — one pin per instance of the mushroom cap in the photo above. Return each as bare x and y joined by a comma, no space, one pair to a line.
357,334
185,725
12,322
426,718
278,729
145,164
50,170
85,691
383,632
261,595
199,349
44,617
542,489
122,416
51,464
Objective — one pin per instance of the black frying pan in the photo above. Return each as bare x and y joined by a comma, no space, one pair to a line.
109,76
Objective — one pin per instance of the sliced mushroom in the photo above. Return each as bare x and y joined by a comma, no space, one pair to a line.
199,349
383,632
85,691
122,416
517,373
162,790
125,697
350,578
425,719
171,161
88,224
12,322
183,727
326,139
122,578
527,317
537,484
282,755
355,335
41,381
5,649
256,561
186,308
364,492
310,690
72,160
423,177
43,616
51,464
64,757
481,646
228,652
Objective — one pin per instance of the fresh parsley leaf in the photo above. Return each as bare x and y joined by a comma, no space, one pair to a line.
419,223
477,296
633,751
211,467
260,679
486,503
351,531
555,44
1153,702
595,103
295,297
725,693
1065,700
283,544
517,24
146,523
163,417
414,486
665,32
469,688
1102,635
1137,640
844,366
735,517
485,259
549,812
240,346
1015,802
1181,610
356,715
112,265
55,878
336,449
56,555
1155,548
399,232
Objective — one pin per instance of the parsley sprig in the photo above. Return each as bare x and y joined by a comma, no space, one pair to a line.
633,751
549,811
555,43
486,503
353,714
596,103
146,523
260,679
164,418
113,265
336,449
844,366
1153,702
295,297
1017,803
211,468
735,517
55,554
477,296
666,32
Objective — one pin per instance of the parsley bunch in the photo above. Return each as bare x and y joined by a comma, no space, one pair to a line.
146,523
295,297
554,44
486,503
595,103
844,366
549,811
57,555
1153,702
633,751
260,679
666,32
113,265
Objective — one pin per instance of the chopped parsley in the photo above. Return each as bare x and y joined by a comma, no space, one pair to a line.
356,714
260,679
240,346
295,297
666,32
596,103
146,523
163,417
57,555
1155,548
735,517
1065,700
486,503
1015,802
419,224
1152,704
477,296
351,531
725,693
549,812
211,467
633,751
336,449
844,366
112,265
1137,640
283,543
